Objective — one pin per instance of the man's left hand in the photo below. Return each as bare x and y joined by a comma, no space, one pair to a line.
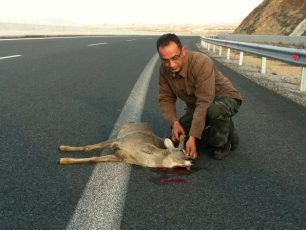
191,149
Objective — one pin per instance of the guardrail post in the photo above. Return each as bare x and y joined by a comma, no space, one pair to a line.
208,46
214,49
263,65
303,79
228,53
202,43
241,58
220,51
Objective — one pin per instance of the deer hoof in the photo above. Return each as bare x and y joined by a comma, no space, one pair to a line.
63,161
63,148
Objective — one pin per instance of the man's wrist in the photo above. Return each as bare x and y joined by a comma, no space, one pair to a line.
175,122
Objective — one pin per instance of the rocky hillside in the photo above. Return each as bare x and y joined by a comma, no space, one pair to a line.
274,17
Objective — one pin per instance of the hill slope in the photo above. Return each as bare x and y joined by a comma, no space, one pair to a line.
274,17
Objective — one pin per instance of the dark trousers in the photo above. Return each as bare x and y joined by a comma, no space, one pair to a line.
219,125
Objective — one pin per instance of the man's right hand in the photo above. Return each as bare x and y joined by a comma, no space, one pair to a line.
177,131
191,149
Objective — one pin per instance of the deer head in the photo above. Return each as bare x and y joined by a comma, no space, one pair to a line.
175,157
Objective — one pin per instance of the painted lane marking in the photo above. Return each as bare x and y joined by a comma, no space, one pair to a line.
12,56
130,40
101,204
97,44
56,37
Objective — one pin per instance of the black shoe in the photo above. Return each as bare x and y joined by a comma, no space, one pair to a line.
221,152
234,138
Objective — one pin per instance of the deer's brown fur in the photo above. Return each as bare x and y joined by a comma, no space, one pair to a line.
135,144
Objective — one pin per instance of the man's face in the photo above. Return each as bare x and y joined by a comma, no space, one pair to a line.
172,57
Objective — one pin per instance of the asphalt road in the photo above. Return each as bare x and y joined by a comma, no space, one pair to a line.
63,91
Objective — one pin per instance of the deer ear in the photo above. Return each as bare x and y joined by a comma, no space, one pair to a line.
168,143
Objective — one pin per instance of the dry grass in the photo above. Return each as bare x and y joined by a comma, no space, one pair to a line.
286,72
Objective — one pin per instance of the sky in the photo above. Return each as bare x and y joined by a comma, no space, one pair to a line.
127,11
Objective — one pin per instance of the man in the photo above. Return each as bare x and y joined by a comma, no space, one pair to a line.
210,98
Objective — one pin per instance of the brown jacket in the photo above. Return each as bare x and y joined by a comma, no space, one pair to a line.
197,84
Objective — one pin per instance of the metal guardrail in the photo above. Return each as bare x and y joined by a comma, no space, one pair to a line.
288,55
297,41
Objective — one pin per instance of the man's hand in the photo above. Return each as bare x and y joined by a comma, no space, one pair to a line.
191,149
177,131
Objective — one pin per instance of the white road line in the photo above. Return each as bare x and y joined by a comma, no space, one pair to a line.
130,40
12,56
102,201
97,44
57,37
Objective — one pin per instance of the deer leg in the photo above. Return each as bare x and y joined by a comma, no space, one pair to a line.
106,158
88,148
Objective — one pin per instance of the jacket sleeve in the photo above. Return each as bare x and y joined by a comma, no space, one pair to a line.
167,100
204,74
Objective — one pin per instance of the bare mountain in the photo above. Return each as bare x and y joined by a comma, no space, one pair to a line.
274,17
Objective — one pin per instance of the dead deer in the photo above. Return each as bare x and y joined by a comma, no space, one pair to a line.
135,144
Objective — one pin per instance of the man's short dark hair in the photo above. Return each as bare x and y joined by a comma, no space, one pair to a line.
165,39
